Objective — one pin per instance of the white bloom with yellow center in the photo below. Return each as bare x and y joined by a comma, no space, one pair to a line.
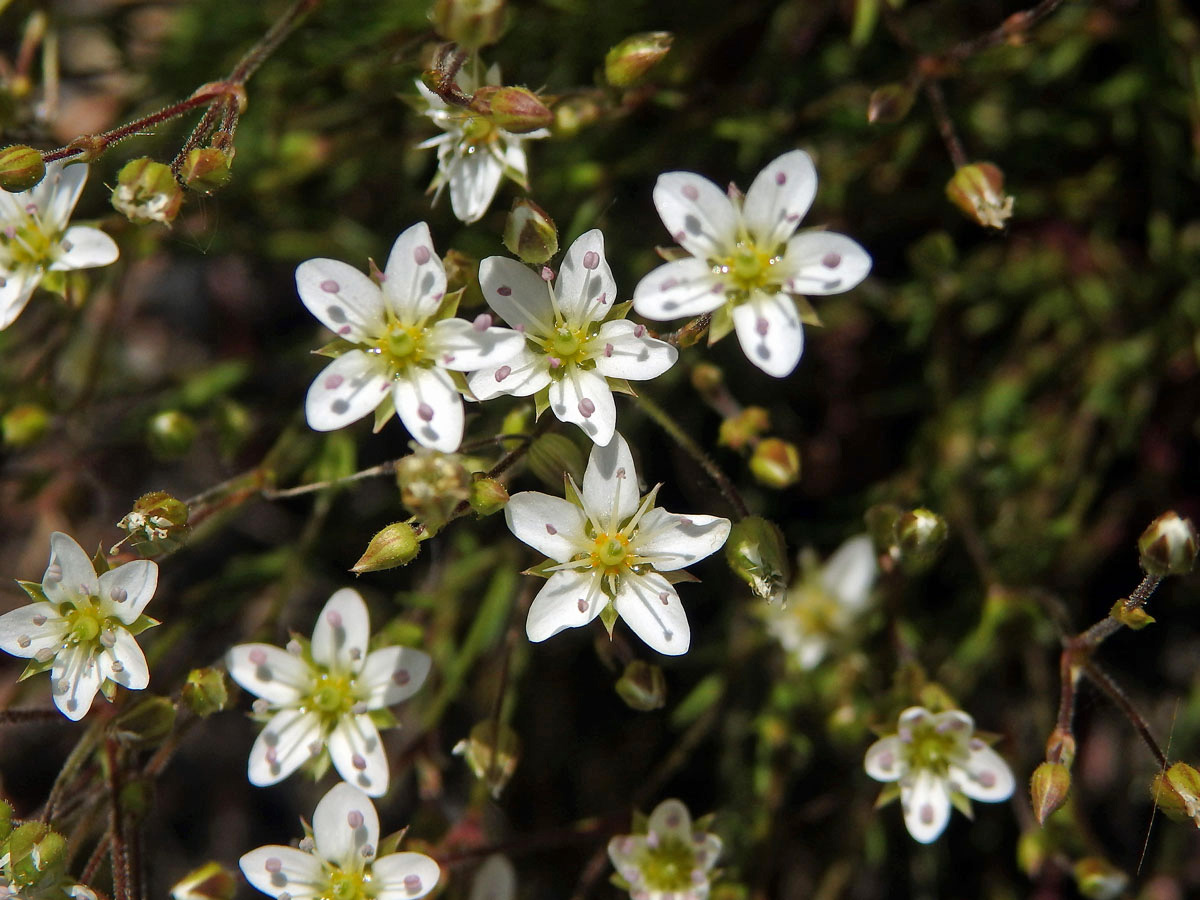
671,861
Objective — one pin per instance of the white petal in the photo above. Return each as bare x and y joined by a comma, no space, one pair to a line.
849,574
275,869
458,345
526,373
74,679
779,198
673,541
610,471
345,300
70,573
391,675
85,248
583,397
650,607
823,262
347,389
358,755
405,876
622,349
343,823
517,295
551,525
474,179
343,628
911,719
125,590
769,330
266,671
16,287
568,600
57,193
671,819
809,650
496,879
430,407
707,851
133,673
697,213
415,279
926,804
885,759
283,746
18,626
682,287
986,776
586,288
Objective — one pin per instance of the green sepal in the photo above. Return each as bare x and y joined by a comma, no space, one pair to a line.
608,616
680,576
109,690
721,324
622,386
640,823
619,311
55,283
100,561
317,766
335,348
619,883
383,412
571,490
704,823
449,305
1135,618
36,668
541,402
889,793
962,803
141,624
390,844
460,385
382,718
540,570
808,315
670,254
34,590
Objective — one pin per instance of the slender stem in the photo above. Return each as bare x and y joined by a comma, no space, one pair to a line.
497,707
27,716
117,848
1012,28
387,468
1069,672
270,41
97,857
945,125
1123,703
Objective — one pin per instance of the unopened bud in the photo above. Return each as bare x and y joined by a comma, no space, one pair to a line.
205,692
757,554
514,109
492,752
529,233
212,881
889,103
1176,792
552,455
24,425
1048,789
706,377
488,496
157,523
1034,849
642,686
21,168
738,432
170,434
146,192
920,535
50,850
206,168
978,190
395,545
776,463
628,62
147,722
1168,545
572,114
1098,879
471,24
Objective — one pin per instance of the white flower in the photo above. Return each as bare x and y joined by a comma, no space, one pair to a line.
670,861
746,261
85,624
576,340
35,239
936,759
822,605
611,548
323,695
496,879
402,342
473,153
340,861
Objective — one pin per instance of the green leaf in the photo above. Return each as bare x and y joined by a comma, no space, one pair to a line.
807,314
34,590
619,311
383,718
889,793
721,324
695,704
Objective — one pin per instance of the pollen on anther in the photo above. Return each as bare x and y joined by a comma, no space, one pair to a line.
547,274
621,472
550,529
355,654
926,814
421,255
412,883
664,598
554,361
354,818
315,747
261,706
691,193
639,330
831,260
447,358
762,326
39,620
334,618
886,761
258,656
591,259
333,382
400,676
482,322
330,286
273,865
425,411
586,408
367,851
345,329
108,639
608,349
504,290
582,604
67,246
24,641
987,779
358,762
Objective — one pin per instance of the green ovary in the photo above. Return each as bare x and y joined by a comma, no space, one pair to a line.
28,245
668,867
931,751
401,346
333,695
748,267
343,885
84,620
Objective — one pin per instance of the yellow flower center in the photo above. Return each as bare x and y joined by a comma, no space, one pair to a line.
345,885
85,622
610,551
932,750
401,346
747,268
479,130
27,245
566,343
668,867
333,695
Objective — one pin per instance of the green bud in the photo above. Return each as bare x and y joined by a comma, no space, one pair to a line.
1176,792
170,434
147,192
147,722
514,109
776,463
529,233
552,455
738,432
395,545
137,797
978,190
1034,849
488,496
707,377
1168,545
628,62
158,523
1048,789
757,554
206,168
212,881
492,752
5,820
471,24
572,114
50,850
1098,879
205,692
920,535
642,686
25,425
21,168
889,104
432,484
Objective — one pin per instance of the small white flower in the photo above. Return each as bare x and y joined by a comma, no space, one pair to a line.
322,696
35,239
401,343
341,863
821,606
611,548
86,624
670,861
746,260
496,879
576,339
473,153
934,758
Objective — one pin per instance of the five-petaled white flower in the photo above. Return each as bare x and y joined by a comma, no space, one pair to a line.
81,626
611,548
399,339
576,338
936,759
35,239
671,861
323,695
746,262
473,153
822,605
339,862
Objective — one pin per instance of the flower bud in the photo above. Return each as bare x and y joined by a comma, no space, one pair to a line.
5,820
572,114
880,520
776,463
1176,792
488,496
738,432
1098,879
205,692
24,425
471,24
529,233
21,168
757,554
628,62
514,109
706,377
889,104
1168,545
147,722
206,168
552,455
147,192
920,535
212,881
395,545
642,686
157,523
1048,789
170,434
432,484
978,190
492,752
50,850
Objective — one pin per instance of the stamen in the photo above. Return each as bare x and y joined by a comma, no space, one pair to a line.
482,322
24,641
118,595
358,762
354,818
39,620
